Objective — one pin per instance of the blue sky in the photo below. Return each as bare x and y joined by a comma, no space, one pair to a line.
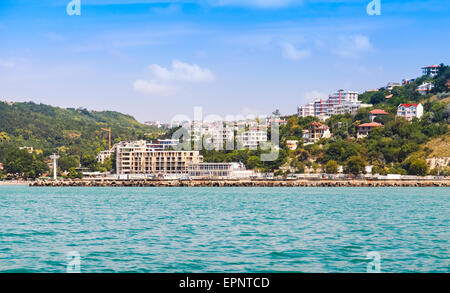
156,59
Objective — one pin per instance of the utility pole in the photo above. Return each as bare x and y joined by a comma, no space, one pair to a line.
54,157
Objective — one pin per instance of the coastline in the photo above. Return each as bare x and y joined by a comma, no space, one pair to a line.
240,183
15,182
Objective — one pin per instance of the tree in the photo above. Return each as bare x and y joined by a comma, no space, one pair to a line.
67,162
377,98
89,161
331,167
418,167
4,137
24,164
253,162
74,174
355,165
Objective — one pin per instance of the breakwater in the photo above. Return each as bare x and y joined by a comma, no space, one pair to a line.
241,183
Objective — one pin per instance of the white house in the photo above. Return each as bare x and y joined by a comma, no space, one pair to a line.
425,87
409,111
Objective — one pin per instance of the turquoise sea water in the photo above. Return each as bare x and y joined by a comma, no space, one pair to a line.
224,229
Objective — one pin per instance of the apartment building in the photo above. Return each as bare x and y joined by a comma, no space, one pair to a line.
340,102
139,157
252,138
410,111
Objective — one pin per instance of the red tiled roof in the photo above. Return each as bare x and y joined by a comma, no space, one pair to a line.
431,66
378,111
372,124
318,124
409,105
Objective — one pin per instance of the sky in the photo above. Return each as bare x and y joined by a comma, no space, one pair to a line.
157,59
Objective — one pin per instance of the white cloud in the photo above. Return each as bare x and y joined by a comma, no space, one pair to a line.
313,95
353,46
166,81
9,64
153,88
181,72
292,53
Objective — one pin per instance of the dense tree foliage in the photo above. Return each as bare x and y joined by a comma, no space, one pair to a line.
73,133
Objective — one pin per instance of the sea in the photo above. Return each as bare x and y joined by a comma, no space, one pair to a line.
226,230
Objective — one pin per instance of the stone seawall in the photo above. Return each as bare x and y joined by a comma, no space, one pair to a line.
243,183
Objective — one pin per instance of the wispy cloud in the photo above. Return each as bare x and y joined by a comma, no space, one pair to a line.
181,72
313,95
292,53
353,46
166,81
153,88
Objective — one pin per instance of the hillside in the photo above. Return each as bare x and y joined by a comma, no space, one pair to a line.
70,131
440,147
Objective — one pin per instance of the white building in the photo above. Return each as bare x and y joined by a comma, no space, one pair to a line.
219,170
391,85
252,138
103,156
431,70
340,102
425,88
409,111
140,157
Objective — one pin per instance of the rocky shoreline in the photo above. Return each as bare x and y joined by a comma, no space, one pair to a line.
242,183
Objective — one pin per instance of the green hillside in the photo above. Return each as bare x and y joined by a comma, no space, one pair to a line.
399,146
74,133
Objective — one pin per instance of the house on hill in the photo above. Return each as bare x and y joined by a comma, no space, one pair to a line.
431,70
409,111
425,88
375,113
316,132
364,129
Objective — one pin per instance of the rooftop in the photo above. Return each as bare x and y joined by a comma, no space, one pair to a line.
378,111
408,105
372,124
431,66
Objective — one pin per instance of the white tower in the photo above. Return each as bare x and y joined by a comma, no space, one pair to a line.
55,167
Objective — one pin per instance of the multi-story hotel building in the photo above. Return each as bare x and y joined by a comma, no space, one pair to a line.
140,157
340,102
252,138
